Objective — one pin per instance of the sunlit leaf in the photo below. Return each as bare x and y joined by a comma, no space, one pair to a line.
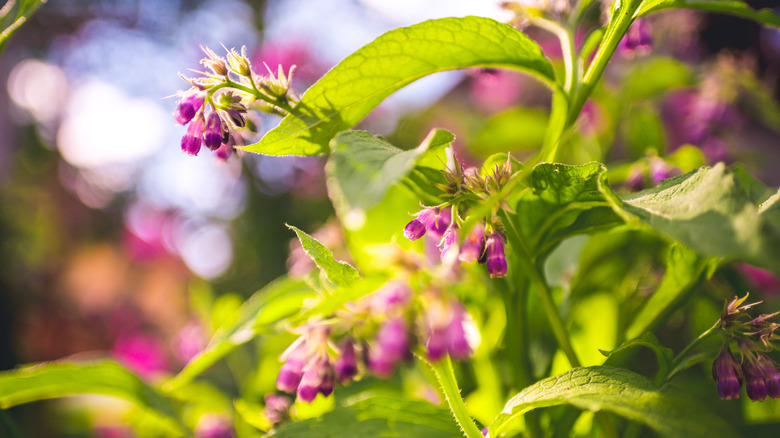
732,7
62,379
364,79
340,273
377,417
276,301
667,410
663,354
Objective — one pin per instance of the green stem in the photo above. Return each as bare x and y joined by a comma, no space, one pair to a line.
567,47
686,351
446,375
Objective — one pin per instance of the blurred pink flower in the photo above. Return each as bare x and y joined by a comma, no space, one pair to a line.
190,340
494,90
141,353
762,279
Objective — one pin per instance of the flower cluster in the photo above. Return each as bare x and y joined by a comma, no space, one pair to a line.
228,87
486,242
637,40
374,335
755,338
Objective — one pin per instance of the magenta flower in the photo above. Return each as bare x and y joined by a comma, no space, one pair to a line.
392,346
187,108
446,334
754,380
424,220
191,141
142,353
345,365
212,133
449,241
637,40
496,259
726,371
276,408
214,426
317,378
291,372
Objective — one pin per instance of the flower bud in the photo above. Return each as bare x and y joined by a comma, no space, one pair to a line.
726,371
449,241
473,245
637,40
771,376
187,108
291,373
496,259
346,364
424,220
442,223
392,345
212,133
317,378
276,408
191,141
754,380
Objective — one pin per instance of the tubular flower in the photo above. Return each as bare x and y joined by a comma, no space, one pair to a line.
726,371
496,259
424,220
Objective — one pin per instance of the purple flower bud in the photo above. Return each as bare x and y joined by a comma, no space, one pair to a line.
190,143
346,364
754,380
436,346
496,260
422,223
392,345
473,245
458,346
442,223
236,117
225,149
212,133
291,373
637,40
391,295
445,332
276,408
771,376
449,240
187,108
726,371
317,378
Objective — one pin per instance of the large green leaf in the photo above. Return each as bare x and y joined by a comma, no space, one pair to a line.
340,273
710,211
667,410
364,79
61,379
377,417
362,168
563,200
733,7
278,300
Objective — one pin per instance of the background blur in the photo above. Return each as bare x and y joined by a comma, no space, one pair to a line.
113,242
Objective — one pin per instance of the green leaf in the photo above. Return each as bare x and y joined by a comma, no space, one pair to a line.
365,78
684,270
654,77
733,7
663,355
667,410
276,301
377,417
563,200
362,168
710,211
341,274
62,379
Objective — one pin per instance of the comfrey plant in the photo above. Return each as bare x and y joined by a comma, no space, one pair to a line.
583,266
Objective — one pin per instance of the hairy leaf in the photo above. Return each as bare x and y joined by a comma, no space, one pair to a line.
377,417
667,410
62,379
364,79
276,301
362,168
733,7
341,274
710,211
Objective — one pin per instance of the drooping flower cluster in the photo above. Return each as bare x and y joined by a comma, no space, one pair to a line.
485,243
228,88
755,338
374,335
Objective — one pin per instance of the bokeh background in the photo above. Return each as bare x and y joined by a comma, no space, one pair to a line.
112,242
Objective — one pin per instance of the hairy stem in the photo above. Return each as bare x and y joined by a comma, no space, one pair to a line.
446,376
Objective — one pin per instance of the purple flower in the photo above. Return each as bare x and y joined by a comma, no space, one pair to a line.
392,345
442,223
317,378
190,143
187,108
474,245
212,133
213,426
449,241
660,171
391,295
291,372
423,221
142,353
726,371
224,151
754,380
496,259
445,332
771,376
346,364
637,40
276,408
